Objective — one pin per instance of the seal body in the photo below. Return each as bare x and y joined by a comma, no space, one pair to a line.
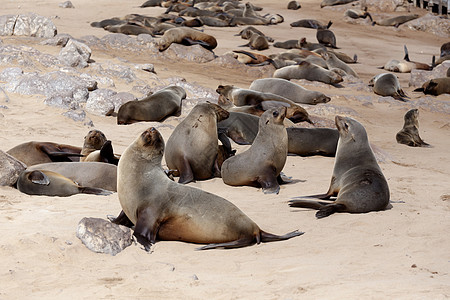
436,86
409,135
33,153
242,128
193,145
165,210
312,141
308,71
155,107
262,163
186,36
387,84
357,181
289,90
396,21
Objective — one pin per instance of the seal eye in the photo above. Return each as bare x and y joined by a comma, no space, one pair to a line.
275,114
346,126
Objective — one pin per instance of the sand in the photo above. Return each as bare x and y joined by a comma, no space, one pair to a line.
401,253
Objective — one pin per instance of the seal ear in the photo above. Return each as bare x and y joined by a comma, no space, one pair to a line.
38,177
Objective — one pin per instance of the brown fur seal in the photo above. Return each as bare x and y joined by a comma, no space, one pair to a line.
155,107
248,31
357,13
289,90
334,2
193,145
33,153
262,163
242,97
92,174
326,37
334,62
312,141
308,71
294,5
357,181
395,21
129,29
251,58
93,141
445,49
387,84
310,46
257,42
105,155
289,44
186,36
436,86
409,135
308,23
162,209
42,182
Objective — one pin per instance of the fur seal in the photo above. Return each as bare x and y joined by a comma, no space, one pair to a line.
409,135
445,49
33,153
248,31
93,141
242,97
308,71
310,46
257,42
262,163
155,107
129,29
308,23
395,21
334,2
165,210
387,84
334,62
186,36
312,141
436,86
105,155
289,90
289,44
92,174
242,128
357,13
251,58
193,145
357,181
326,37
294,5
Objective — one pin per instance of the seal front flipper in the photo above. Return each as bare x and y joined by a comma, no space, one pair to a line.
146,229
186,174
283,179
108,154
121,219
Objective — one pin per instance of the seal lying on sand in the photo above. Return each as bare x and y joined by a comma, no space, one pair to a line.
308,71
387,84
357,181
186,36
165,210
435,87
409,135
33,153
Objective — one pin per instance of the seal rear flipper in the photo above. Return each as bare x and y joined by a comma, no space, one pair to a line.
305,203
121,219
229,245
190,42
95,191
406,57
108,154
146,228
329,209
59,153
185,170
269,237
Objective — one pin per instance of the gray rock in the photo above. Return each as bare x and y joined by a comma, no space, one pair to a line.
115,70
79,116
145,67
431,23
66,4
383,5
11,77
34,25
75,54
100,102
102,236
92,41
419,77
60,39
26,56
10,169
62,101
7,23
195,53
146,39
119,41
121,98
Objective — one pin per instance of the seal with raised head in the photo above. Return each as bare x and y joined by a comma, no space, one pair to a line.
308,71
93,141
262,163
435,86
192,147
155,107
33,153
186,36
162,209
387,84
409,135
357,181
289,90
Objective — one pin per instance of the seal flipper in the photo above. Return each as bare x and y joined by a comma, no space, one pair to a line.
95,191
59,153
146,228
269,237
237,138
121,219
305,203
190,42
186,174
229,245
108,154
329,209
38,177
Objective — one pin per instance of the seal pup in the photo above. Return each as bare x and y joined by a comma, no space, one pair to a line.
326,36
251,58
92,174
257,42
395,21
312,141
435,87
357,13
105,155
193,145
289,90
33,153
387,84
409,135
186,36
294,5
42,182
308,71
93,141
357,181
129,29
155,107
334,62
310,46
262,163
165,210
248,31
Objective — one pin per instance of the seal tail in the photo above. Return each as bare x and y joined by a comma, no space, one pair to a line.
406,53
269,237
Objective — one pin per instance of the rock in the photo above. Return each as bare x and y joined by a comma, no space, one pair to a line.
145,67
79,116
66,4
10,169
102,236
34,25
121,98
419,77
100,102
7,23
75,54
431,23
119,41
383,5
60,39
195,53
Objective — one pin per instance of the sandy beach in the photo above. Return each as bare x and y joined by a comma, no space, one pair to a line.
400,253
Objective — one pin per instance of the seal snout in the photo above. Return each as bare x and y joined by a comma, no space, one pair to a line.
150,136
